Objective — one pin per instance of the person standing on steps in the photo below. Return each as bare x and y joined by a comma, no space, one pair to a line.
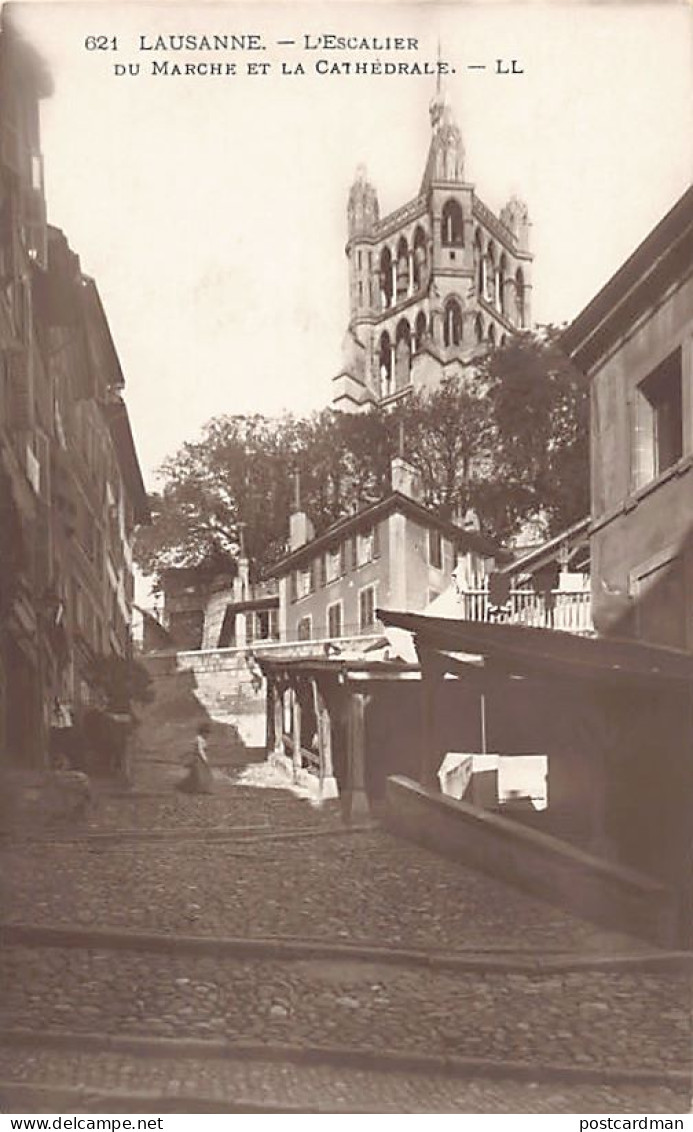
198,780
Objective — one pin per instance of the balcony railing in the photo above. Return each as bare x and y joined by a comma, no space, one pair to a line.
568,610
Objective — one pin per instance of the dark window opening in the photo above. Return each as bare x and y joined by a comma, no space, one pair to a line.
385,364
402,355
435,549
420,330
452,324
334,620
452,225
658,425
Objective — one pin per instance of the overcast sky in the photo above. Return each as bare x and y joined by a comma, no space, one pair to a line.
211,210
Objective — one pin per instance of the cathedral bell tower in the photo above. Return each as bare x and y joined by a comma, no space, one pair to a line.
433,284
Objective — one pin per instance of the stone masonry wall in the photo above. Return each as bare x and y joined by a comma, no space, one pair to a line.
229,685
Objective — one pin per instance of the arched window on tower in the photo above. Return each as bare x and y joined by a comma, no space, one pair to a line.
385,364
386,278
402,274
492,336
479,264
479,329
452,323
502,276
490,273
402,354
520,298
420,259
419,331
452,225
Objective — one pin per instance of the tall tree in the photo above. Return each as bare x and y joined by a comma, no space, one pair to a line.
540,441
506,437
237,483
446,436
233,483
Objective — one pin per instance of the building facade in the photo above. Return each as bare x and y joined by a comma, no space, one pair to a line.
210,610
393,552
635,340
433,283
71,491
96,496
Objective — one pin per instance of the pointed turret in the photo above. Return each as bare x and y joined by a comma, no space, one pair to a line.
515,216
363,211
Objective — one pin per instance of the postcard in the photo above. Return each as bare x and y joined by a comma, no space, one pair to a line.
345,462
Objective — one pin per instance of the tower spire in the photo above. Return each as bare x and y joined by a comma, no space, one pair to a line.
446,153
439,81
438,105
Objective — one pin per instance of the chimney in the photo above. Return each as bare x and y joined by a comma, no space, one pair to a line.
301,530
404,477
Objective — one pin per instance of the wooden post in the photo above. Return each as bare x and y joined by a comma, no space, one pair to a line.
432,674
356,753
278,708
296,731
269,716
328,782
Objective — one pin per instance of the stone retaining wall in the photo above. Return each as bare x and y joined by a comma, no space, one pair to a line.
595,889
230,686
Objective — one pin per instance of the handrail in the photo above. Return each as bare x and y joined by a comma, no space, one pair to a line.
569,610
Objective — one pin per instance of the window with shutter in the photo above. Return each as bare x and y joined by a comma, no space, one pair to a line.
334,561
656,421
354,552
642,451
304,581
365,547
435,549
334,620
376,540
367,608
21,391
293,586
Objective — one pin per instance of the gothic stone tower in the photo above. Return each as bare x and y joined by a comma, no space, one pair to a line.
433,284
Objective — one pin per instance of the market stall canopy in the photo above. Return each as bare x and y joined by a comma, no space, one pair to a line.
524,651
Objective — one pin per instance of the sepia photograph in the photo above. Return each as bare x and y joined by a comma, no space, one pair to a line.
346,561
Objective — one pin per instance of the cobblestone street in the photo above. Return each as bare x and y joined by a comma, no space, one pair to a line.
86,1023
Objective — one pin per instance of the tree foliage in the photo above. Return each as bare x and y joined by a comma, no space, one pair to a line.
236,486
506,438
447,433
540,412
120,681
